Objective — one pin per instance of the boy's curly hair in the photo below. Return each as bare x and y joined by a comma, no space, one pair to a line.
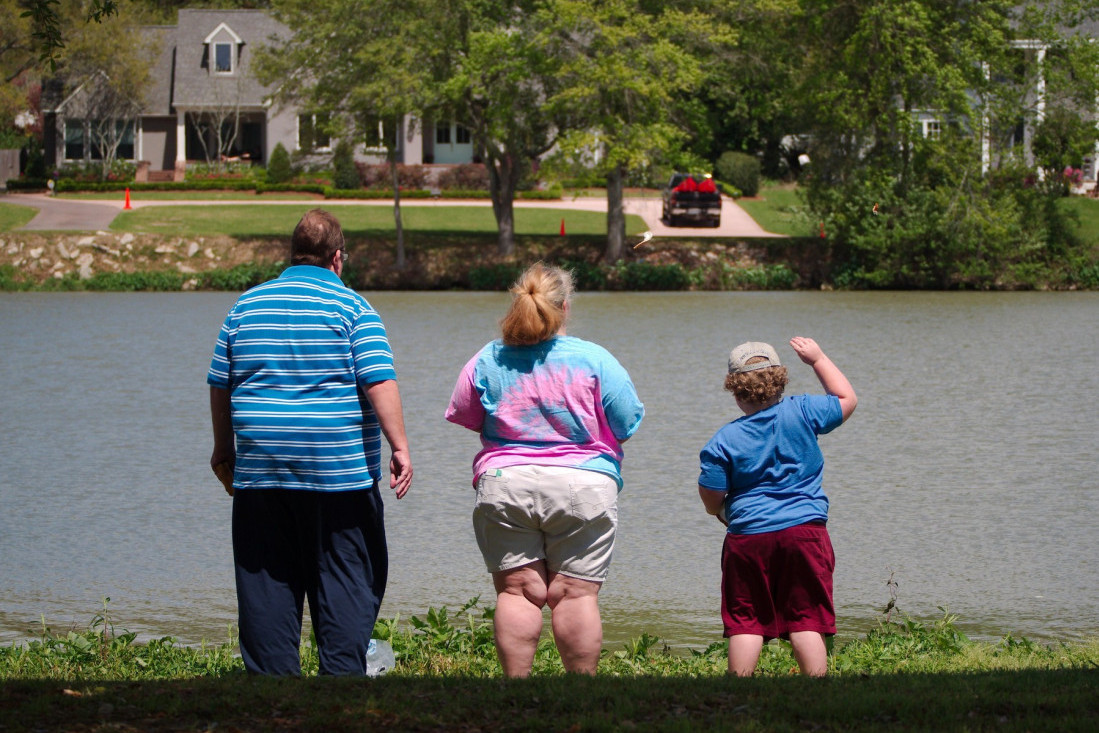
759,386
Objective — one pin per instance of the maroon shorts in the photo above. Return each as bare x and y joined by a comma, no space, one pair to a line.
777,582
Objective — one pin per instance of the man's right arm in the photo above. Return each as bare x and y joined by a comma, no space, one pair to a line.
222,415
385,397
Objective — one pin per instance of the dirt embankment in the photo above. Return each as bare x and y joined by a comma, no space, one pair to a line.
38,257
431,262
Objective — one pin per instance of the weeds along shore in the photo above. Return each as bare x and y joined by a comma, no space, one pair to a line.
905,674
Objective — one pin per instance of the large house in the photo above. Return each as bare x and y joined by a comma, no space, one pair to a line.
205,104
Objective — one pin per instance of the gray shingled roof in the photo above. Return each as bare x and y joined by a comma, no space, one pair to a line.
158,98
195,84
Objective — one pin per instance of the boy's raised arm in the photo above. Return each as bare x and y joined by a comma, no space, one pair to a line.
830,376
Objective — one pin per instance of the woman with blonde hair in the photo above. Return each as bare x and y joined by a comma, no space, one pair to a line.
552,411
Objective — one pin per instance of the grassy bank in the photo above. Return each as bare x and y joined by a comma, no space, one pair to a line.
903,675
244,221
13,216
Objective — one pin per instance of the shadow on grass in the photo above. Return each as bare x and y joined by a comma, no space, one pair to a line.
1003,701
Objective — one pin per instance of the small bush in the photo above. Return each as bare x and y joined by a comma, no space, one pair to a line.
241,277
278,168
27,184
345,174
648,276
764,277
377,175
494,277
586,275
740,170
163,281
468,176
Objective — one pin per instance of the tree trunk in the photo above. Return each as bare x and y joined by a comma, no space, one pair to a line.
616,217
397,208
503,176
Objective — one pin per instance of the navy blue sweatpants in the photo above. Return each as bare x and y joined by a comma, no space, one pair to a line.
328,547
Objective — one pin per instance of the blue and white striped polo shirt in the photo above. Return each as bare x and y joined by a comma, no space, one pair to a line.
293,353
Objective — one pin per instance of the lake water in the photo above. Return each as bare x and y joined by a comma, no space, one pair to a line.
968,471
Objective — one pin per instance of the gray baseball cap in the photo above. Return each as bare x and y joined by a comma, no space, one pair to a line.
738,357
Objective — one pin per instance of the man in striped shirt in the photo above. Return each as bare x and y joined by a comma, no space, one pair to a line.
302,388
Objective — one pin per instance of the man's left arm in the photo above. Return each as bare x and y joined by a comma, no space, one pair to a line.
385,397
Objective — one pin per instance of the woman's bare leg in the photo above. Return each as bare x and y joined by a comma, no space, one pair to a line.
520,596
577,627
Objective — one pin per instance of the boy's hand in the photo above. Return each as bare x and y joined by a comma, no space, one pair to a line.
806,349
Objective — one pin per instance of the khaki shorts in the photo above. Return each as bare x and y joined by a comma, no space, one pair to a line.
565,516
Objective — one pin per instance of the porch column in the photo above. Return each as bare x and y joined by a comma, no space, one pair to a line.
181,138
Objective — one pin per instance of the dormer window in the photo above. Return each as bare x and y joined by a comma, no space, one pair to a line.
223,58
222,47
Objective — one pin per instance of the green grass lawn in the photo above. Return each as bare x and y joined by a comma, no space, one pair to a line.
779,209
13,216
1087,212
244,221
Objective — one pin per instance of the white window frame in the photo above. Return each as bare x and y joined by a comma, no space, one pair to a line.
232,58
297,134
932,129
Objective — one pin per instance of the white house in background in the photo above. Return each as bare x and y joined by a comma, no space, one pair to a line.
203,73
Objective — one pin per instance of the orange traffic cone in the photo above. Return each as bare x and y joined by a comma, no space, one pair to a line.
127,205
562,227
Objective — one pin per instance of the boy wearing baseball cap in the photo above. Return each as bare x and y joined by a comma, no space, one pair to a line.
761,476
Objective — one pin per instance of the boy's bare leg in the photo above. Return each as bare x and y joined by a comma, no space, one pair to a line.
810,652
744,652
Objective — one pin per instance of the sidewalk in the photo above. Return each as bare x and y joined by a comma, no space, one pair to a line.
79,215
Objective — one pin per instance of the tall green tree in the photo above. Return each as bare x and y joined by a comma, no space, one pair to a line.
619,66
488,72
469,61
907,203
109,65
349,63
747,98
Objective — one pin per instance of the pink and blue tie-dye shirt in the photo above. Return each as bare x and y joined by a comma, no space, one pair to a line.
562,402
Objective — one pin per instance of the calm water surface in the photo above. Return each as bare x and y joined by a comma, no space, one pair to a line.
968,471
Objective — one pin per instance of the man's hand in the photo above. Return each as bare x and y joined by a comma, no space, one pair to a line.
400,472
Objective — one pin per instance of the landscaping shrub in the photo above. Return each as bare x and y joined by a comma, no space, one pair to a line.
740,170
278,168
345,174
469,176
377,175
27,184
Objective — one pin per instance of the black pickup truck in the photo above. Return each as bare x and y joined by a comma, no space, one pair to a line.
691,197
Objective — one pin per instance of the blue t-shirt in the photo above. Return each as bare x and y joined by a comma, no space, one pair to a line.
771,465
293,353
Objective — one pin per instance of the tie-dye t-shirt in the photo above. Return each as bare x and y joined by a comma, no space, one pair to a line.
562,402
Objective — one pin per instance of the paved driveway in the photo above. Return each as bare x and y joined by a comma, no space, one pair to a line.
79,215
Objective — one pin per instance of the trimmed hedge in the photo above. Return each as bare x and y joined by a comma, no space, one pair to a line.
372,193
27,184
67,185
